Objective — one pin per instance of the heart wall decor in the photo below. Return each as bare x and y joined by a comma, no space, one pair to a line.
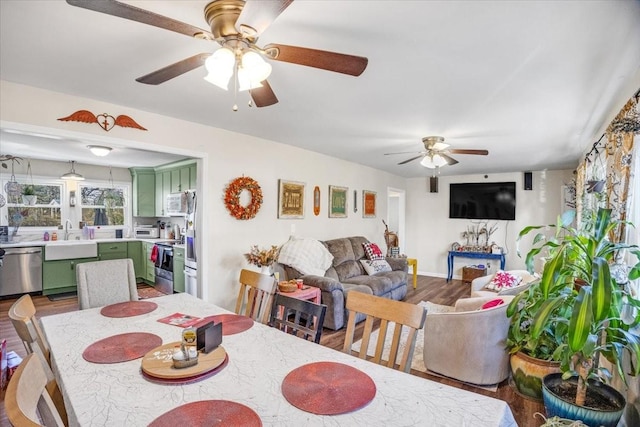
104,120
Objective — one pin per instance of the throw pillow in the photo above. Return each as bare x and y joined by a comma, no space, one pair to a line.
493,303
373,251
503,279
375,266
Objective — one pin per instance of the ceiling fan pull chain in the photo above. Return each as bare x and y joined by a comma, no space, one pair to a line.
235,87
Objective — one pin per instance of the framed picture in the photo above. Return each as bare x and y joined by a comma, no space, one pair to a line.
337,201
368,204
290,199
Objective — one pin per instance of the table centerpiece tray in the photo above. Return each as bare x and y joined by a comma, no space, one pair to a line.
158,363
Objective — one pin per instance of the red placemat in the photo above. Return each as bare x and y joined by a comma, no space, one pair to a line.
231,323
128,308
186,380
121,348
328,388
209,413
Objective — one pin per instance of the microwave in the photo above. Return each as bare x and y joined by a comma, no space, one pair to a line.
177,204
146,232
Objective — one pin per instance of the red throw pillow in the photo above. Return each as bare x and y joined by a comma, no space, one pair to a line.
373,251
493,303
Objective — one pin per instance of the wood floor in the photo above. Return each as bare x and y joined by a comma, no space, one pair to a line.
429,289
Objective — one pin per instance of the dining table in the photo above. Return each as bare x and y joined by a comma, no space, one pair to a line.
259,360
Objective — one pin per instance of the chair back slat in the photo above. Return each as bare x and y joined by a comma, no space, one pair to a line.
255,297
402,314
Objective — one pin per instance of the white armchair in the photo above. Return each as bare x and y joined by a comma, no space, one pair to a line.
478,284
468,343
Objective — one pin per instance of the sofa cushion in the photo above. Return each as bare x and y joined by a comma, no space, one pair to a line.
372,251
375,266
349,269
503,279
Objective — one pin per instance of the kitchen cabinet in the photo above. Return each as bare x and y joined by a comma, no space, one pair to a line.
173,179
60,276
150,272
134,251
193,176
113,250
144,191
178,269
163,188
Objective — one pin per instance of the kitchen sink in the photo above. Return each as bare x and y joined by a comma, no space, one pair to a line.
70,249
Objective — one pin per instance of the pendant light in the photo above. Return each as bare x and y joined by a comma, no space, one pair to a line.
72,175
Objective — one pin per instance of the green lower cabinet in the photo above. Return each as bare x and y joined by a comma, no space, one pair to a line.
114,250
178,269
150,272
60,276
134,251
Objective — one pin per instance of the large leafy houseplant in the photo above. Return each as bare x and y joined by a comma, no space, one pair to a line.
577,282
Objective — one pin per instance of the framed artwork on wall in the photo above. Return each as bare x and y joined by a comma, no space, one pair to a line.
337,201
368,204
290,199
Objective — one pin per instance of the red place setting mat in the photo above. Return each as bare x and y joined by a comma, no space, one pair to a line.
121,348
128,309
209,413
231,323
328,388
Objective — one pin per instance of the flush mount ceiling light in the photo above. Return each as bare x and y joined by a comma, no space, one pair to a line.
99,150
72,175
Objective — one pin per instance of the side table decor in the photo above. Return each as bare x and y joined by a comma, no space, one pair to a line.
263,258
232,198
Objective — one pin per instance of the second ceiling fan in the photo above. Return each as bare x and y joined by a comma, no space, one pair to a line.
436,153
236,26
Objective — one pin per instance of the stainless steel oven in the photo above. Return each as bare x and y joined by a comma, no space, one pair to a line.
164,269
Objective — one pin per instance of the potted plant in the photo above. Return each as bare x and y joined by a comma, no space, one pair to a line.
595,326
263,258
29,195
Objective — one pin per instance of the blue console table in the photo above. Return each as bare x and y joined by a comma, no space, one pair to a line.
478,255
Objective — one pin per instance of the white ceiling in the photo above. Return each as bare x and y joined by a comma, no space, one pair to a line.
534,82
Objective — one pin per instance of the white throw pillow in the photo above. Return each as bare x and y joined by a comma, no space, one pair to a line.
375,266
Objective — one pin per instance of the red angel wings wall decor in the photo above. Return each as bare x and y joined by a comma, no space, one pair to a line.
104,120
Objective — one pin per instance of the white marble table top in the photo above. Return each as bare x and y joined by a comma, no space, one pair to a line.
259,359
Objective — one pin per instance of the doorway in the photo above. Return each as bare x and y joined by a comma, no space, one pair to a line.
396,214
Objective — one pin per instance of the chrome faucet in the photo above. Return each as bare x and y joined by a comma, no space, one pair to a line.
67,227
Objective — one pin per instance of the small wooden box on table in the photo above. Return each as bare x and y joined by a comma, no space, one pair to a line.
469,273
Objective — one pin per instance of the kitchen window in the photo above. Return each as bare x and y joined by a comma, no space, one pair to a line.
103,205
45,212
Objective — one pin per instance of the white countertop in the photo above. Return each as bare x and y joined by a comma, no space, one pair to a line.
259,358
28,244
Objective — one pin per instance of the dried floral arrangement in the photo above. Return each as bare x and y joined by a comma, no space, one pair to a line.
262,257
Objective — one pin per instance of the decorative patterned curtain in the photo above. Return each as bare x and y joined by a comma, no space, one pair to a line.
610,161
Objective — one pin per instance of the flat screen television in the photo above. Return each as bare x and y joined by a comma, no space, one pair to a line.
483,200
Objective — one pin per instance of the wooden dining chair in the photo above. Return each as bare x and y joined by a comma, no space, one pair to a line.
297,317
386,310
27,401
106,282
256,295
23,317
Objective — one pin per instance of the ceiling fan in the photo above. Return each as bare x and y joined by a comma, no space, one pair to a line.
436,153
236,26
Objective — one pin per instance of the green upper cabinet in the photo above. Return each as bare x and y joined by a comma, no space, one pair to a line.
193,176
144,191
163,188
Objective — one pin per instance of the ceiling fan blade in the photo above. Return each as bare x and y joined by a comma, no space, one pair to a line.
465,151
257,15
450,160
411,159
331,61
406,152
264,96
174,70
126,11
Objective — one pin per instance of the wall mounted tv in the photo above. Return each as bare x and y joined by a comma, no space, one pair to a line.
483,200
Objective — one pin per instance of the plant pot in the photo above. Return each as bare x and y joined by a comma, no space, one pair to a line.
29,200
527,373
553,387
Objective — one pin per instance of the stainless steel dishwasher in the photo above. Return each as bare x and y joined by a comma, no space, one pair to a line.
21,271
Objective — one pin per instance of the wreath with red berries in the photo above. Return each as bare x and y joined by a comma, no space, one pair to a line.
232,198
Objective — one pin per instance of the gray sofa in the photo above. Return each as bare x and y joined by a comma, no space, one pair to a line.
346,274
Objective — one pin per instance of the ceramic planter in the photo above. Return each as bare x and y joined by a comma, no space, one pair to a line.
527,373
29,200
556,406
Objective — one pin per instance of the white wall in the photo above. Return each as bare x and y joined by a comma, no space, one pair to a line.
223,156
430,232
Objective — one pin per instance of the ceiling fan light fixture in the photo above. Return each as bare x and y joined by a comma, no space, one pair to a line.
99,150
245,82
257,68
220,67
72,175
434,161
